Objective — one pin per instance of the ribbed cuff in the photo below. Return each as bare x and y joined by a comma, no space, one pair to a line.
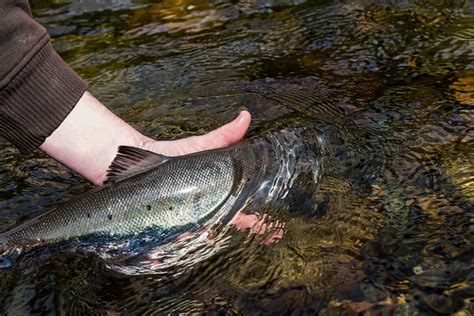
38,99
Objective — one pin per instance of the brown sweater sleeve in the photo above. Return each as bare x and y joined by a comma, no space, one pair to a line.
37,88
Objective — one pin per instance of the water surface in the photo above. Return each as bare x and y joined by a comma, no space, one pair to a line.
390,84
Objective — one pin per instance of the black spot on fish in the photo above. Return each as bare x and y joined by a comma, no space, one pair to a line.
110,216
42,240
248,179
170,208
197,206
148,207
88,215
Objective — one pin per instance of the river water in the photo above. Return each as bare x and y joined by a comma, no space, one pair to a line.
390,84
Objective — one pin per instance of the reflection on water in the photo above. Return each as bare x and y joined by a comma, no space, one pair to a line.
389,83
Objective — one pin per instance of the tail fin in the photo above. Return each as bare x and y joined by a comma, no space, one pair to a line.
5,262
5,254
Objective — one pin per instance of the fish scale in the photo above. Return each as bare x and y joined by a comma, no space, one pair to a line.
182,192
163,197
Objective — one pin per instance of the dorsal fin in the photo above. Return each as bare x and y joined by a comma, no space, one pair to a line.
131,161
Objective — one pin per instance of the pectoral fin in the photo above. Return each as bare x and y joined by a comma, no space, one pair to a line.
131,161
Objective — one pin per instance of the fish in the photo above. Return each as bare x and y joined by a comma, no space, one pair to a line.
146,191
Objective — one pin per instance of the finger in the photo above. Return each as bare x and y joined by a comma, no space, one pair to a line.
231,132
225,135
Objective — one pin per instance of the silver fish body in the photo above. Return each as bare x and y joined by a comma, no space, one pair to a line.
175,195
148,191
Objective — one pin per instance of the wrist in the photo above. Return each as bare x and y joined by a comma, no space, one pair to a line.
88,138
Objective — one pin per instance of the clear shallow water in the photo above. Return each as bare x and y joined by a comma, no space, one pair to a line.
391,85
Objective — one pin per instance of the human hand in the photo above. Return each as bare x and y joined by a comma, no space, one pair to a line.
88,139
264,226
223,136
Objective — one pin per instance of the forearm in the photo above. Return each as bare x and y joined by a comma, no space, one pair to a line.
37,88
87,140
43,104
